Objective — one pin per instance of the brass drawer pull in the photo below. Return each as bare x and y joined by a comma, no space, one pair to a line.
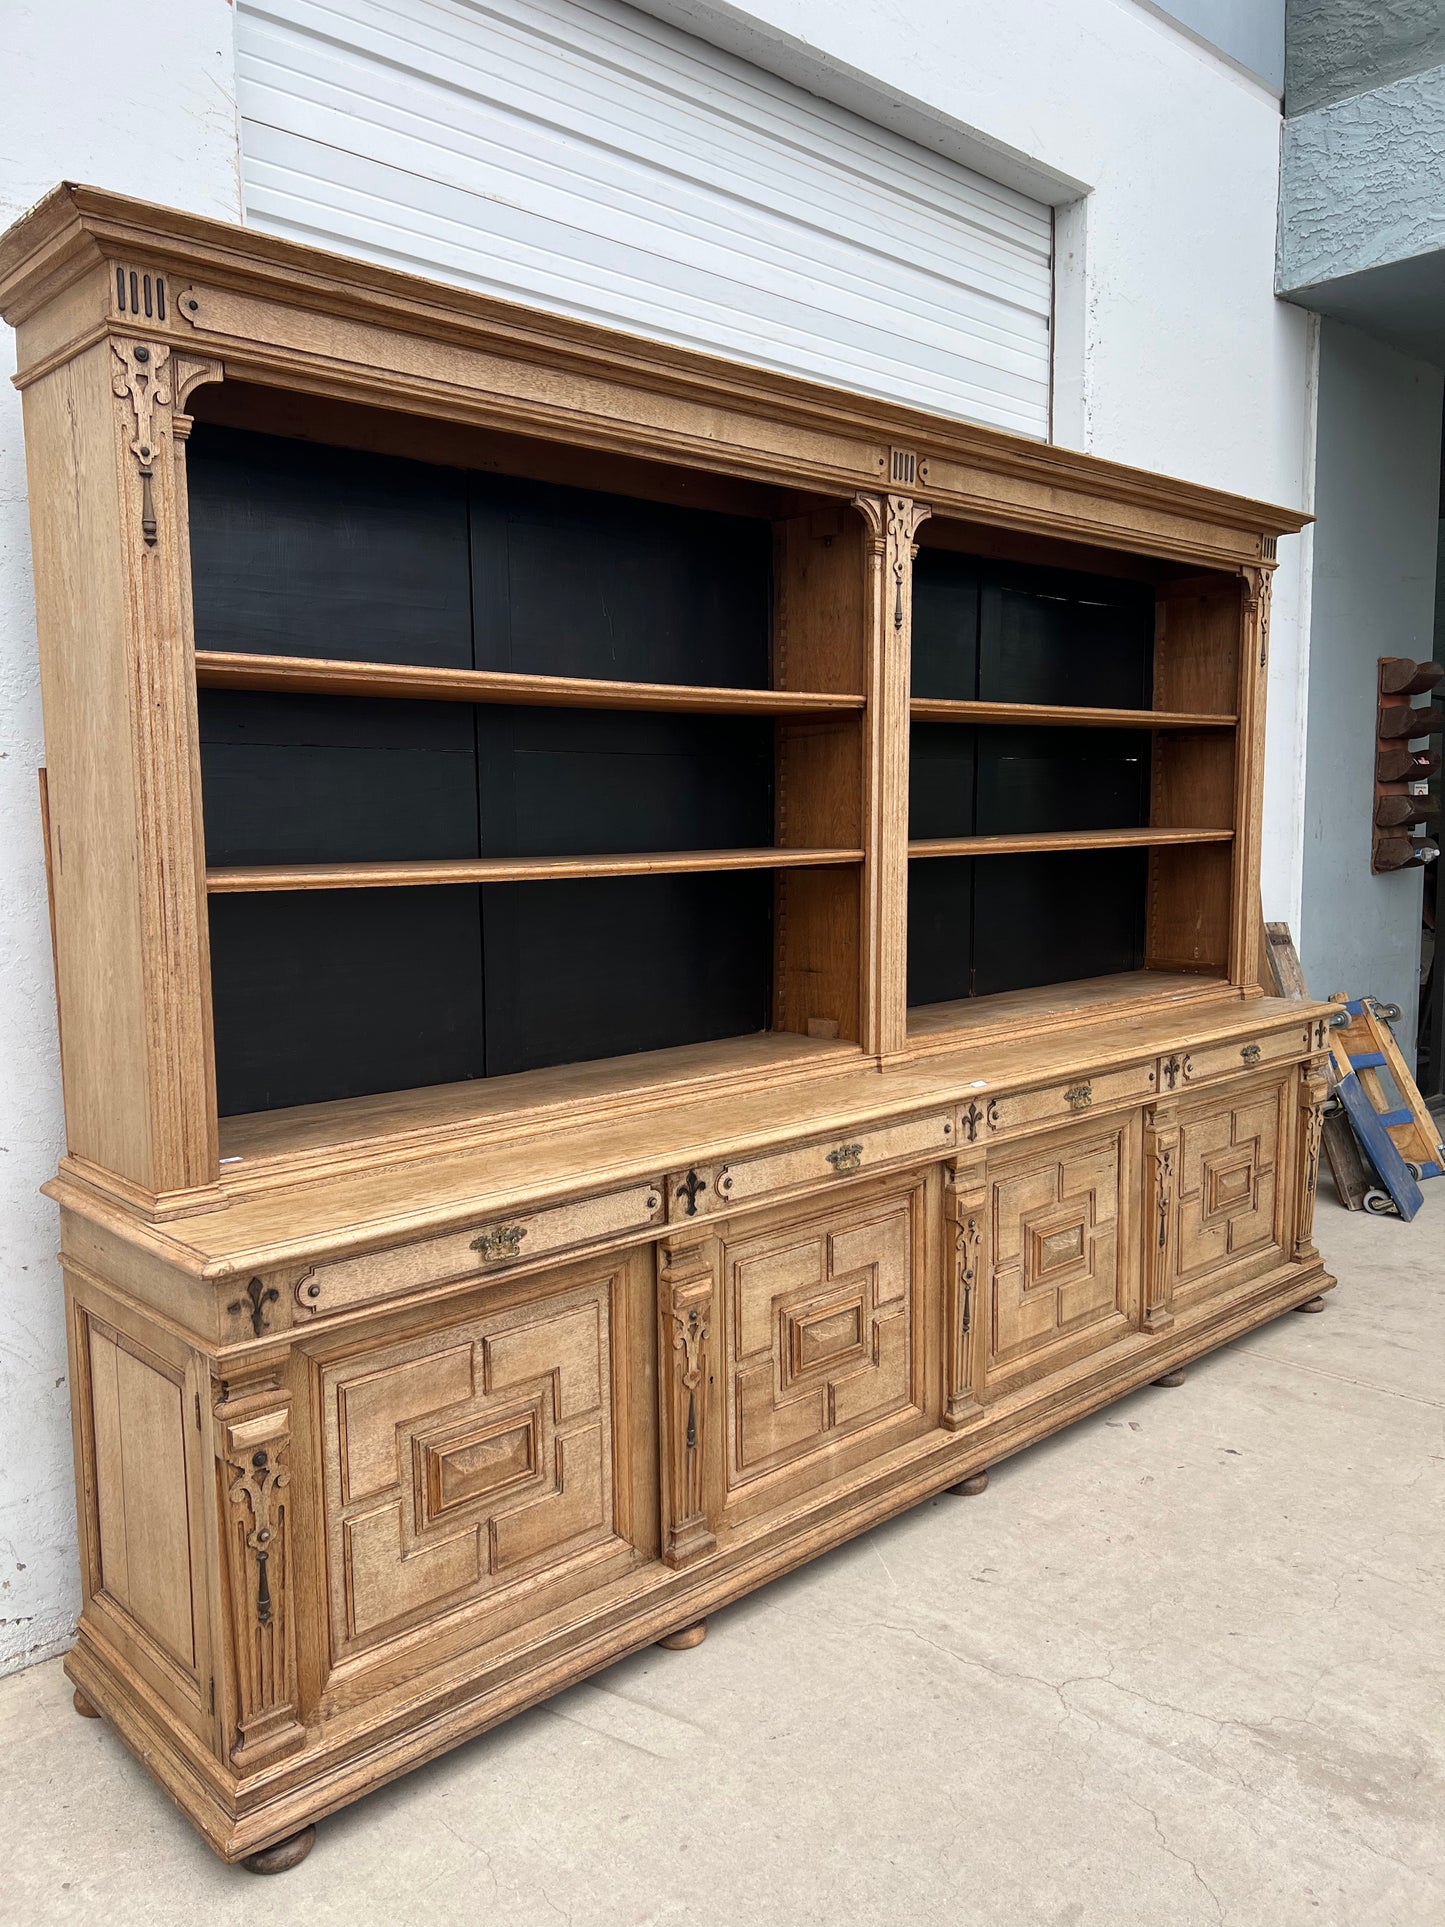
847,1157
1079,1097
1251,1053
502,1242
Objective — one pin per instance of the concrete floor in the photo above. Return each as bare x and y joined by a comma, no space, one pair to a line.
1183,1664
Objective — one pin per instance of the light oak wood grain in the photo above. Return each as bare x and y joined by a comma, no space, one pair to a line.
395,1415
1061,840
938,710
221,669
507,869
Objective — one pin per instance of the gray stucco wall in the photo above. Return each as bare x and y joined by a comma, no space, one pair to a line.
1376,503
1360,182
1339,47
1251,32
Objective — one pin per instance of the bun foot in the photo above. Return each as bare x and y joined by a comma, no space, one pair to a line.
83,1706
685,1638
970,1487
282,1855
1170,1378
1311,1304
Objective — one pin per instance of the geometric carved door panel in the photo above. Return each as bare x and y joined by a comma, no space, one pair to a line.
821,1318
1061,1271
461,1462
1229,1195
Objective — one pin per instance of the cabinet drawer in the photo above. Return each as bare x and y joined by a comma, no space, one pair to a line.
748,1180
1056,1102
492,1245
1179,1072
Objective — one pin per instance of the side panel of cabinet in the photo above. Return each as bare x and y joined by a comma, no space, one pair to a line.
1061,1266
828,1355
141,1493
477,1473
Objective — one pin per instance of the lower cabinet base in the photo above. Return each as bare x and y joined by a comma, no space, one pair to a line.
346,1757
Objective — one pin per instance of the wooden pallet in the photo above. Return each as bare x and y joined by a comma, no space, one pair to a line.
1366,1045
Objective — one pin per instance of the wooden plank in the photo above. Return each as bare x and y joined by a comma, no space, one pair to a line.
1061,840
940,710
1286,972
1284,975
315,676
510,869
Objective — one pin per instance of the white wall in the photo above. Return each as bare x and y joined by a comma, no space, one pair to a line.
141,98
1172,354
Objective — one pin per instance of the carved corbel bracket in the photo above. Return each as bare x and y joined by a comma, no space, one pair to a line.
1161,1165
686,1289
893,521
153,383
1257,587
254,1450
965,1204
1314,1090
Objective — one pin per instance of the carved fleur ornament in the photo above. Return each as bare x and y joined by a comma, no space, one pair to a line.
256,1486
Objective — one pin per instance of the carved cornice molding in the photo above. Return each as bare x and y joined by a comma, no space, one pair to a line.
230,276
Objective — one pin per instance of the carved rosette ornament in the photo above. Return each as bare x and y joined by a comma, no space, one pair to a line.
685,1304
965,1203
1161,1154
254,1441
1314,1092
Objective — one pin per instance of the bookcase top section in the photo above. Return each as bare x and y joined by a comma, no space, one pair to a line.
232,303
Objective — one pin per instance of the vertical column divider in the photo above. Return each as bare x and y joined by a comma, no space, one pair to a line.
892,521
1244,960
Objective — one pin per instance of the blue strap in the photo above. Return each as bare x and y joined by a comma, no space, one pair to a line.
1368,1060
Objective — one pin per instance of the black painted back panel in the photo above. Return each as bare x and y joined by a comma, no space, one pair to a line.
1000,633
1058,916
335,779
339,993
298,550
569,582
558,782
302,550
601,966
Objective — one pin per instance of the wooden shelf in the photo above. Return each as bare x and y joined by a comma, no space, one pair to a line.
1062,840
316,676
937,710
511,869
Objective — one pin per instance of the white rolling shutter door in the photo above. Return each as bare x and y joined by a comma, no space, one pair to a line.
580,156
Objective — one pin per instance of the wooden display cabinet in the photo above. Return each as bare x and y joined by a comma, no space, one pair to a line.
655,963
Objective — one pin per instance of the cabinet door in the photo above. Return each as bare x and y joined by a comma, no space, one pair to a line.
1062,1263
488,1468
1229,1222
825,1350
